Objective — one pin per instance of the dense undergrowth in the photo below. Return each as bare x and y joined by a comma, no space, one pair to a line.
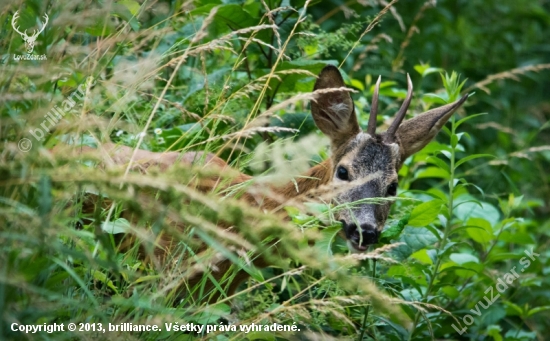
464,252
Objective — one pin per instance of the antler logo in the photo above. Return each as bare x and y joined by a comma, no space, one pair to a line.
29,40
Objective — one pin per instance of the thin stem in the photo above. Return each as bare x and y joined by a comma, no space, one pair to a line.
446,232
367,308
368,29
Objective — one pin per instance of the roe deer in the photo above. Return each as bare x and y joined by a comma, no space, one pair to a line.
365,164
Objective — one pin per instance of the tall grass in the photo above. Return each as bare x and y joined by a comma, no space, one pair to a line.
63,263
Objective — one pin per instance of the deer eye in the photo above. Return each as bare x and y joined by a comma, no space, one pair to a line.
392,189
342,173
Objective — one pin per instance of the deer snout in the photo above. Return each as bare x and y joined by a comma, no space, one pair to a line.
361,237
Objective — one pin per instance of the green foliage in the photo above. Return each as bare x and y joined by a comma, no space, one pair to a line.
226,77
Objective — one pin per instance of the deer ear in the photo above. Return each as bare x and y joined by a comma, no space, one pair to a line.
416,133
333,112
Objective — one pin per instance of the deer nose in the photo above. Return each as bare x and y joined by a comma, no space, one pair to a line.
370,235
363,236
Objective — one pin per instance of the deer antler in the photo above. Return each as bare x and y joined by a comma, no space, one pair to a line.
371,128
43,26
402,111
13,23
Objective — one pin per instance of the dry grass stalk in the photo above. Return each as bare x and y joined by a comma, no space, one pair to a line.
369,28
510,74
398,61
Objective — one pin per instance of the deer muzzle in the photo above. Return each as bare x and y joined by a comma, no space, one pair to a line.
360,237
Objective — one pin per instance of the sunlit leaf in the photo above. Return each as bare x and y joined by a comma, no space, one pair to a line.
467,118
425,213
483,234
465,209
471,157
538,310
119,225
432,172
463,258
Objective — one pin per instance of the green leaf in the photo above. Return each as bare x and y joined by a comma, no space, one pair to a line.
494,314
383,85
454,140
403,333
100,276
467,207
538,310
435,98
132,6
145,279
483,234
431,70
127,10
517,237
447,154
520,335
357,84
530,281
261,335
466,271
317,208
432,172
422,256
425,213
469,117
227,17
450,291
120,225
420,68
292,211
463,258
434,147
393,92
513,309
452,85
253,8
327,238
295,82
101,28
211,314
413,239
394,231
438,162
495,257
471,157
494,332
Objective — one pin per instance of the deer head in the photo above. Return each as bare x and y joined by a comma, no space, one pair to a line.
29,40
364,163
